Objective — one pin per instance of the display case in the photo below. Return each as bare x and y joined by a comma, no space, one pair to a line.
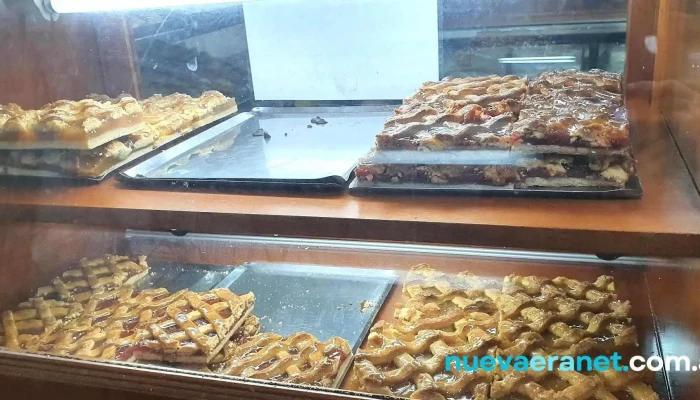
269,199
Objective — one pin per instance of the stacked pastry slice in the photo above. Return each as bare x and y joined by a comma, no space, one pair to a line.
65,138
577,125
462,315
561,129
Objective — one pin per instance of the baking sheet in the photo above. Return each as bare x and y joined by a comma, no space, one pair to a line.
293,154
633,190
321,300
7,173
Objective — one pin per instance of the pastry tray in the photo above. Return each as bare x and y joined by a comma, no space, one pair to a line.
8,173
632,190
237,154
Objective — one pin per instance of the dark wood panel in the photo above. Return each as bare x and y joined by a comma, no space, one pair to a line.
79,54
677,80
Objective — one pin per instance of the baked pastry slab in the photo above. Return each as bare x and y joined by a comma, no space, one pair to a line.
34,322
455,113
565,317
194,328
166,118
66,124
439,315
572,112
95,276
298,358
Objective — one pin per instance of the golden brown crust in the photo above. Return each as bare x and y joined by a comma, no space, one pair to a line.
298,358
455,113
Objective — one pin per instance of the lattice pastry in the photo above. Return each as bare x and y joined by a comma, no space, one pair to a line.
570,385
456,113
250,328
95,276
429,293
298,358
83,124
34,322
195,327
573,317
111,324
409,360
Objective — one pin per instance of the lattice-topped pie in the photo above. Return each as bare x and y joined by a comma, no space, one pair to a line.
34,322
95,276
194,328
165,119
573,317
430,293
455,113
461,315
408,360
298,358
573,112
83,124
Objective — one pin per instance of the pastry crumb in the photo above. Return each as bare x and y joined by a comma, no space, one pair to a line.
365,305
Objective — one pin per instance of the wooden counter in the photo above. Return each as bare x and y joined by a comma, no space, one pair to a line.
666,222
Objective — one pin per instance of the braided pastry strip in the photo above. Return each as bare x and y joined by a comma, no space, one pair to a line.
299,358
34,322
95,276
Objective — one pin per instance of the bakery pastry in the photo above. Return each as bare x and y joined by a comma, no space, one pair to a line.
250,328
455,113
66,124
429,293
110,323
573,112
194,328
572,317
95,276
489,168
34,322
464,315
165,119
298,358
408,360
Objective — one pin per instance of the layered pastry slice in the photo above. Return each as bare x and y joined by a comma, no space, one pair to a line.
552,170
573,112
66,124
298,358
455,113
165,119
95,276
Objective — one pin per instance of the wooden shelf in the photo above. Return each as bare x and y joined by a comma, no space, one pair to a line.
666,222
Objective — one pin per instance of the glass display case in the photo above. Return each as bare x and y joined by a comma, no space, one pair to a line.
446,199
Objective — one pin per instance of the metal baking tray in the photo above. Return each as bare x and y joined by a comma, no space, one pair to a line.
324,301
11,173
232,154
633,190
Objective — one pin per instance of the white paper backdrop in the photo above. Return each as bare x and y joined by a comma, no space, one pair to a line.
341,49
